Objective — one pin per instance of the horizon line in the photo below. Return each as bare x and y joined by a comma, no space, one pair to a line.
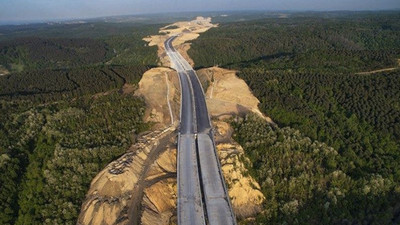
71,19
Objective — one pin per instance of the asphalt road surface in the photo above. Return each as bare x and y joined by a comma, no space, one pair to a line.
190,205
202,193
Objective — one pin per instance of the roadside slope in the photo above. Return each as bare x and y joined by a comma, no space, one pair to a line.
140,187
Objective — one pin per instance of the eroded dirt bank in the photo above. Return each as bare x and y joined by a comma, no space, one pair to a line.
188,30
140,187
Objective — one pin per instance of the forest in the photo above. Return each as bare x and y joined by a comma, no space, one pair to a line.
333,157
50,153
309,73
308,182
63,116
313,42
42,53
74,46
50,85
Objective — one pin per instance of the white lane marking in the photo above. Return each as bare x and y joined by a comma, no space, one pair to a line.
169,104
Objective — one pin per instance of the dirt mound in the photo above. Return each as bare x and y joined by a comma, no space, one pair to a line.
227,95
116,193
243,190
160,89
140,187
188,30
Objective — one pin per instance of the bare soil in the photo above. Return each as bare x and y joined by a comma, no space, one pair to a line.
381,70
140,187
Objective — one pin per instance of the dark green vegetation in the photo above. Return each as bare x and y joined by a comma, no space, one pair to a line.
45,85
43,53
307,182
56,131
304,69
50,153
77,45
340,44
357,115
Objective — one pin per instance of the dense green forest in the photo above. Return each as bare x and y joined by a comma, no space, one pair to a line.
56,131
335,159
352,113
348,43
43,53
304,69
48,85
50,153
74,46
308,182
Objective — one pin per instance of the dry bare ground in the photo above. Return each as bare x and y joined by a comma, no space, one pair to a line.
381,70
140,187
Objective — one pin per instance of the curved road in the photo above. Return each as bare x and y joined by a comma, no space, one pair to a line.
202,193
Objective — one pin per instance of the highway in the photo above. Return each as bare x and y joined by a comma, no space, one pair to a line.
202,193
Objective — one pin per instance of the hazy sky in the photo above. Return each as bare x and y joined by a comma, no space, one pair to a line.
19,10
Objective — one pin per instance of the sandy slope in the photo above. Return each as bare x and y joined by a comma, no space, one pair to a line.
160,89
227,94
189,30
140,187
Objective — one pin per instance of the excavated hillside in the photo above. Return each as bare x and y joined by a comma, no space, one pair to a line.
140,186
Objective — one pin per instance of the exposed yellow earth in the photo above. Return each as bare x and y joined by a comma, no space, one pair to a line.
140,187
188,30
